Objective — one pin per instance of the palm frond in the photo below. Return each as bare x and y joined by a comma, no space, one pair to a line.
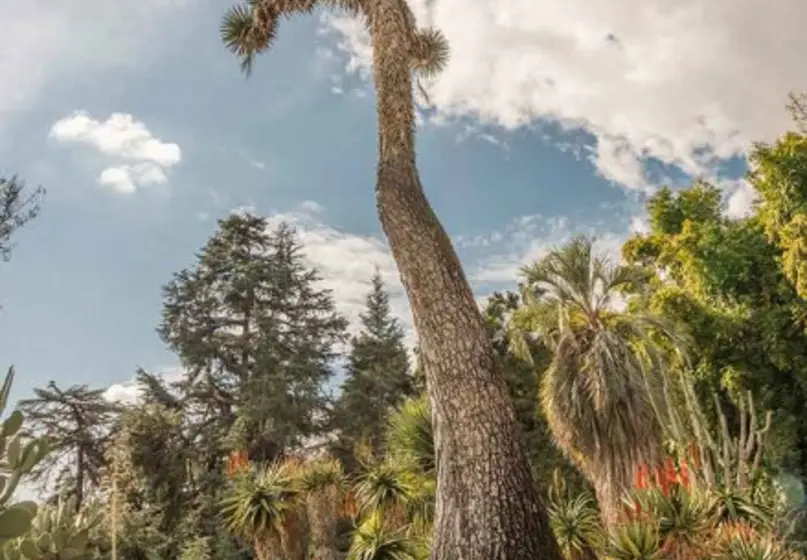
410,434
375,540
248,30
430,52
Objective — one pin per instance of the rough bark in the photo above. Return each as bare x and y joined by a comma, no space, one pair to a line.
487,505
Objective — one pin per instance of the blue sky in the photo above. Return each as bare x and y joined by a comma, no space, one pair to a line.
511,168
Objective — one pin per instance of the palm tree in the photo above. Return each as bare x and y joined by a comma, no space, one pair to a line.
489,507
598,392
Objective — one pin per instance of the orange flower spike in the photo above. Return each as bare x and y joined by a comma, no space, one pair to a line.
641,477
683,474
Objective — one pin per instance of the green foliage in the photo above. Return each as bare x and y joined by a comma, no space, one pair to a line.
374,539
410,434
59,531
377,378
18,206
575,521
601,392
18,457
635,540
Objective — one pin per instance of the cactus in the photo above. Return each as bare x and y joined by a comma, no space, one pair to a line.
57,533
18,457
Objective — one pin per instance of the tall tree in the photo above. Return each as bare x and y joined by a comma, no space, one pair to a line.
17,207
487,507
378,377
601,392
77,422
723,282
256,335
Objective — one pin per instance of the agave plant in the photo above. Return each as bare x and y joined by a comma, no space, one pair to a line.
322,483
374,539
263,506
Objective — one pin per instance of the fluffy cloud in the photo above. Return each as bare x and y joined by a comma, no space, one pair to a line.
44,41
127,392
121,137
686,83
500,254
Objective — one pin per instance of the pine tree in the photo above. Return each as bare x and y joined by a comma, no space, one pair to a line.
17,207
378,376
256,335
77,422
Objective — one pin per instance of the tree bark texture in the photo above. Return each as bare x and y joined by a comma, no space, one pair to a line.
488,507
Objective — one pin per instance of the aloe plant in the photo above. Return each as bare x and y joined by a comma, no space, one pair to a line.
18,457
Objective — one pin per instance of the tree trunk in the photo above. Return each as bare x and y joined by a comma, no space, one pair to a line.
487,505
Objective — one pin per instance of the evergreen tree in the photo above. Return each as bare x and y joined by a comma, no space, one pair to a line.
378,375
256,335
77,422
17,207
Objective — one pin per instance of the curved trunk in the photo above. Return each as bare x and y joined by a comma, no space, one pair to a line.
487,505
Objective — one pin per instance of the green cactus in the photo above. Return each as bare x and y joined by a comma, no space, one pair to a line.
18,457
58,532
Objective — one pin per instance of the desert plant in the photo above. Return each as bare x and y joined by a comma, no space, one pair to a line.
59,532
323,486
634,540
17,458
374,539
410,433
262,505
575,521
602,391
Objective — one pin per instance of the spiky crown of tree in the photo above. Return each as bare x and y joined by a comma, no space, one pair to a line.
250,28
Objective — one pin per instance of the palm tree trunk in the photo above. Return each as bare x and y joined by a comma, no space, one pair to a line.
487,505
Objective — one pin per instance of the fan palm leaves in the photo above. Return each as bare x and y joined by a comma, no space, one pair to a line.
599,393
262,506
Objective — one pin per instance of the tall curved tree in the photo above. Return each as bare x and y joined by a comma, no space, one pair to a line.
598,392
487,506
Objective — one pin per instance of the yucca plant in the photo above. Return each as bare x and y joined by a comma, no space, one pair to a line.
263,506
410,433
323,485
384,488
734,505
634,540
374,539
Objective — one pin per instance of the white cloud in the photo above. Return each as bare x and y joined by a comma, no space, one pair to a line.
527,239
687,83
128,392
347,262
741,200
45,41
121,137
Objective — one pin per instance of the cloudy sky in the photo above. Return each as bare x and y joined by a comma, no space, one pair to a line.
553,117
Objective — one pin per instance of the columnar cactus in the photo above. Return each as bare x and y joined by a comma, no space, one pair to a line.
17,458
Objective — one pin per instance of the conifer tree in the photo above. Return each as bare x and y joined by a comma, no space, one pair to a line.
378,374
77,422
256,335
